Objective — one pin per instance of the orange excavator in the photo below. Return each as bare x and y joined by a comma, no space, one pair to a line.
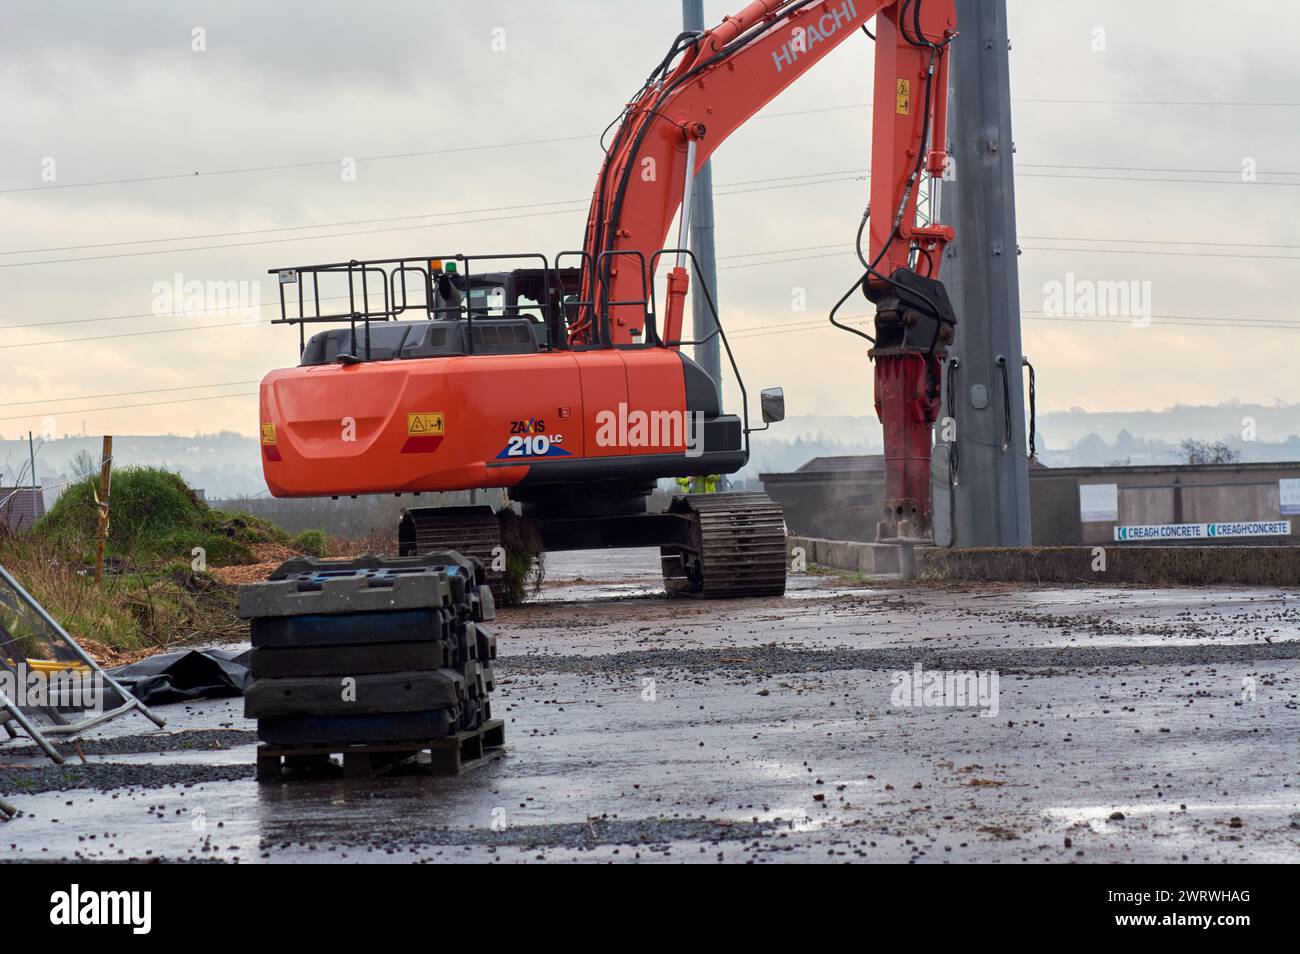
563,381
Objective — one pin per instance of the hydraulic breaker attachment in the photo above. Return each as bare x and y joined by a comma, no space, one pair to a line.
914,326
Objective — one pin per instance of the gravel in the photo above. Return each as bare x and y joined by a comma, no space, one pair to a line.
104,777
777,659
214,740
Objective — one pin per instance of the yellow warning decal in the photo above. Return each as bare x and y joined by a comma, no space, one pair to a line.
424,423
268,433
903,97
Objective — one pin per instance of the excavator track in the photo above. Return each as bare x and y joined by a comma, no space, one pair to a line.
737,547
472,531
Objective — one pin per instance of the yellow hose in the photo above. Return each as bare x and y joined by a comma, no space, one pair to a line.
51,665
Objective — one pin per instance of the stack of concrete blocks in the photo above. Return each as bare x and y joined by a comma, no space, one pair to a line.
374,659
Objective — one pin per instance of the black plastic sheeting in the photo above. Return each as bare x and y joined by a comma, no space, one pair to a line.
185,675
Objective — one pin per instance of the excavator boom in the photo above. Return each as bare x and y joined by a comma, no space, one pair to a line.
707,87
723,77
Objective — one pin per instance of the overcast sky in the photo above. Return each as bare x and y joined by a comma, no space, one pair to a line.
117,91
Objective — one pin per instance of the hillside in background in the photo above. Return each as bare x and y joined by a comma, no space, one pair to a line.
219,465
1273,423
1073,438
226,465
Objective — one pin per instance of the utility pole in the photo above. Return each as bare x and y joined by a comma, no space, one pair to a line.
105,490
36,493
709,354
981,494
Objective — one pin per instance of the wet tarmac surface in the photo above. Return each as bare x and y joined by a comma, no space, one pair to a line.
1127,725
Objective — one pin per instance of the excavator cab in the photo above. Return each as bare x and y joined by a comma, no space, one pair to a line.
508,312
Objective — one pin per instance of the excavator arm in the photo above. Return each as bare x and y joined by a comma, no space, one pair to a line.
720,79
710,84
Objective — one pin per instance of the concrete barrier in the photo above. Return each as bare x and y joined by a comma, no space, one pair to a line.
1102,566
1099,566
869,559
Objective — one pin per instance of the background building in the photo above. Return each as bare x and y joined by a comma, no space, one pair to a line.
840,498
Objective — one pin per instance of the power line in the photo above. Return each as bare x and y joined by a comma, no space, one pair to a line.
503,218
403,228
750,255
292,165
1134,321
1090,102
1238,181
847,174
389,218
281,228
1160,102
1204,321
842,252
119,407
296,238
1041,248
1127,251
820,179
134,334
92,397
426,153
1193,321
811,324
82,321
782,251
329,298
787,261
43,489
149,314
1149,241
1227,172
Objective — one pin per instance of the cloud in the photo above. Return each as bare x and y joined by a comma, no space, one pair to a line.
117,92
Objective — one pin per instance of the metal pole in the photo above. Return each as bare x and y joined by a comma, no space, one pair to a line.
989,503
687,198
709,354
105,490
31,450
77,650
33,732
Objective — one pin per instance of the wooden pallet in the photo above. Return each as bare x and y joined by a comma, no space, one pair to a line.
453,755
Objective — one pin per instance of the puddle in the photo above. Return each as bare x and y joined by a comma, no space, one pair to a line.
1097,817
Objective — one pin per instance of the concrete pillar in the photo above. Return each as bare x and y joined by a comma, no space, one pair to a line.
989,504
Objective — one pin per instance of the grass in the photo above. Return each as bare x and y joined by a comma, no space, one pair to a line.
83,609
311,542
525,559
130,610
155,592
154,518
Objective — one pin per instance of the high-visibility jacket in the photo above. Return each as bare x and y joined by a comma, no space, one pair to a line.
704,484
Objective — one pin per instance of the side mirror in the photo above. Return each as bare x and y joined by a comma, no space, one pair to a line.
773,402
